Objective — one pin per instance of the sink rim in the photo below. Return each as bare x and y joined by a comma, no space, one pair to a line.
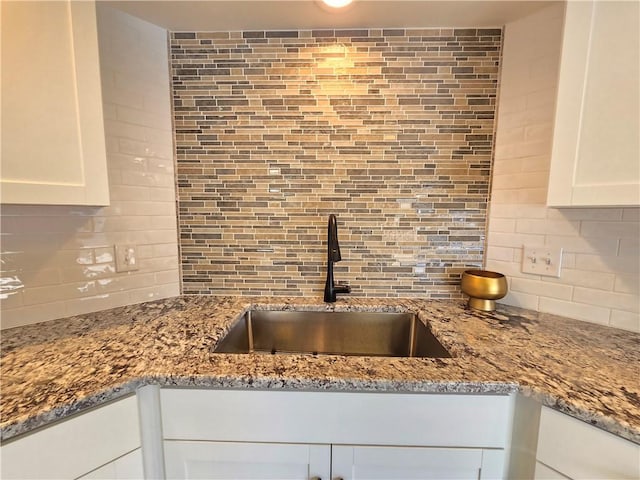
416,339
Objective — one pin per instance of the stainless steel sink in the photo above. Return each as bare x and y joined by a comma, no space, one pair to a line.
337,333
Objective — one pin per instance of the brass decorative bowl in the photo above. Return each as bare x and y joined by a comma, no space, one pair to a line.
484,288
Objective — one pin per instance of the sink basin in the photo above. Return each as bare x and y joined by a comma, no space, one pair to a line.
336,333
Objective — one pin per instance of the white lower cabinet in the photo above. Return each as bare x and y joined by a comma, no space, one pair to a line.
570,448
245,461
545,473
248,435
127,467
79,446
306,435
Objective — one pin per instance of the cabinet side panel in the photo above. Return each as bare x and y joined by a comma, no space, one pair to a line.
151,430
524,437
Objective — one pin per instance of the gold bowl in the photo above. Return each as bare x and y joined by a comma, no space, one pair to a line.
484,288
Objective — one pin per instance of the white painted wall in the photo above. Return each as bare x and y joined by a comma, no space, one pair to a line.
59,261
600,273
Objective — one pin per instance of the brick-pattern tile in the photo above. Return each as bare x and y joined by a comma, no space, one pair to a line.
392,130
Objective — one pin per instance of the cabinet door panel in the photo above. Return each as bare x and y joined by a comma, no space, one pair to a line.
608,147
75,446
226,460
53,144
582,451
596,142
363,462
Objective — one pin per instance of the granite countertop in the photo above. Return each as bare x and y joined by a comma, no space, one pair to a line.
57,368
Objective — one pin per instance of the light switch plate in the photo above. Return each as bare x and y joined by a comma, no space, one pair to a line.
126,258
542,260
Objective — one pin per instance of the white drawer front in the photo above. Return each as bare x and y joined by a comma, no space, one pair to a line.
331,417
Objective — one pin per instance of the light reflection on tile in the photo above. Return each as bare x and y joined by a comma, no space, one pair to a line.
11,283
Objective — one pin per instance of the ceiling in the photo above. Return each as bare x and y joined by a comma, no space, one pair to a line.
226,15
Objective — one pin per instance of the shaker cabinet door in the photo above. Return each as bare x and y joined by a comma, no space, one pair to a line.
596,145
244,461
388,463
583,452
78,445
53,143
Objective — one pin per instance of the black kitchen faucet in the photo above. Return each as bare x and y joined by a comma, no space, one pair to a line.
333,256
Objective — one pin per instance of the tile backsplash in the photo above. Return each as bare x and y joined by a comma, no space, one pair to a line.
58,260
601,259
392,130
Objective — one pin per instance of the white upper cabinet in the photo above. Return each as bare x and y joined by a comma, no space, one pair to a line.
53,143
596,155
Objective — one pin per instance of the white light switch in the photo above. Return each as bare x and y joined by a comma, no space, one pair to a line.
126,258
542,260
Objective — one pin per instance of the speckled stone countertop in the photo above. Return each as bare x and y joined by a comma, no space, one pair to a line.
57,368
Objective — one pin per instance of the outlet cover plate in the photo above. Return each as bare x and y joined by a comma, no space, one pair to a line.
542,260
126,258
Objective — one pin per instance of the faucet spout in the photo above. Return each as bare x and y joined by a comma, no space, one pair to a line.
333,247
331,289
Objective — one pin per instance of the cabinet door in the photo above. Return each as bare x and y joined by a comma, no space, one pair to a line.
53,143
365,462
74,446
238,461
596,143
583,452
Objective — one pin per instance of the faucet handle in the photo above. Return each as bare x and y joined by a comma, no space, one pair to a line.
342,288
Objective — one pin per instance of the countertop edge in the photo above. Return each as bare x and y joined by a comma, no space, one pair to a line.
20,428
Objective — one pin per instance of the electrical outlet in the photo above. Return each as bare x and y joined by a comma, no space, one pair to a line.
126,258
542,260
